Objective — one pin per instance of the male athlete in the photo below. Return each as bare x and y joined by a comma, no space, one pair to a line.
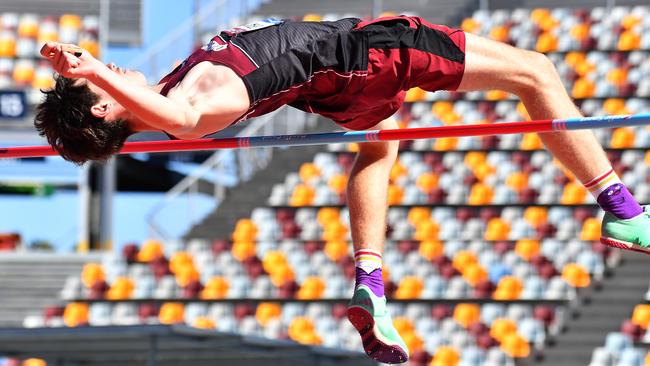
354,72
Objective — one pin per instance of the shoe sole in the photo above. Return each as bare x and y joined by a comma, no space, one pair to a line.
624,245
376,346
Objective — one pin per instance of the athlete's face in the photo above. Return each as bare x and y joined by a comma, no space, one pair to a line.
107,107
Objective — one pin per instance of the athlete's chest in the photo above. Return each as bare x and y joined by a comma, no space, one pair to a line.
206,80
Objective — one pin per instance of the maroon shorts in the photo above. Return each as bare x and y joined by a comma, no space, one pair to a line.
404,52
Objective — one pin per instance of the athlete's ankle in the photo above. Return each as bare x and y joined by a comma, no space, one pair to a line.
613,196
368,270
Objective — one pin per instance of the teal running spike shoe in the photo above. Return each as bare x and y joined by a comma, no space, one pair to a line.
369,315
632,234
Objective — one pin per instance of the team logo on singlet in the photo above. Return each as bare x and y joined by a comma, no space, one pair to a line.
214,46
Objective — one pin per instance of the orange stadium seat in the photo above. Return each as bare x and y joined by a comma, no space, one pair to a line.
410,287
508,288
24,72
90,44
403,325
327,215
641,315
445,356
445,144
335,231
426,230
580,31
395,195
518,181
151,249
267,311
427,182
312,288
303,195
243,250
527,248
91,274
312,17
467,314
397,171
536,216
622,138
590,229
202,322
245,230
7,44
629,41
43,78
34,362
547,42
583,88
172,313
216,288
574,194
338,183
470,25
308,172
497,229
121,289
75,314
531,141
431,249
47,31
481,194
474,274
514,345
576,275
302,330
417,215
28,26
463,259
336,250
614,106
502,327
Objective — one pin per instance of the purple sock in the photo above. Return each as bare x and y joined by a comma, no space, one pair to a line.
373,280
617,200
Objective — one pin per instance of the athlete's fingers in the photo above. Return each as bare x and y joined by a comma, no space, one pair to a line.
56,57
48,49
60,62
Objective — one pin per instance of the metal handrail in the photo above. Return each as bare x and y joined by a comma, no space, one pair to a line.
283,121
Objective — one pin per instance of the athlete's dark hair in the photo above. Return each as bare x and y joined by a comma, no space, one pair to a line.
64,118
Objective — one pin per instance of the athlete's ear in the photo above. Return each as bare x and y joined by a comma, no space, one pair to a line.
101,109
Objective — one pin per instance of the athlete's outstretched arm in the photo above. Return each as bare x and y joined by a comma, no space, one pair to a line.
144,103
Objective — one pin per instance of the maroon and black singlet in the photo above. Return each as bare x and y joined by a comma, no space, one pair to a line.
354,72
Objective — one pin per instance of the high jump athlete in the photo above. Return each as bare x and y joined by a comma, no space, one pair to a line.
354,72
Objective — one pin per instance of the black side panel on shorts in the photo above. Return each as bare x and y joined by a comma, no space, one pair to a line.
298,50
397,34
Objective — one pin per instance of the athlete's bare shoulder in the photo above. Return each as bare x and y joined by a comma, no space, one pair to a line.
216,92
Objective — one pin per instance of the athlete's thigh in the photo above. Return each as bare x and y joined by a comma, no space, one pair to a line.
494,65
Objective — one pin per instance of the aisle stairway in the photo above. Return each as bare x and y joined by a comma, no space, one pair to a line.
240,201
31,281
603,313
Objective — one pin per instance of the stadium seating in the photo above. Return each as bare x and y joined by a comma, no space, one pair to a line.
21,36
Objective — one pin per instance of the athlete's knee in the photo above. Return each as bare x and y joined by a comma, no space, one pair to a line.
543,72
536,73
385,151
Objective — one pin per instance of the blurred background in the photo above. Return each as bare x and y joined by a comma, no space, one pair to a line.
243,257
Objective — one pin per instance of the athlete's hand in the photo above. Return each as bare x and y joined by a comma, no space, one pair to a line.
70,61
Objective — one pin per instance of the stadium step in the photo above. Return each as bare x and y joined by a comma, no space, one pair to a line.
31,281
241,201
602,313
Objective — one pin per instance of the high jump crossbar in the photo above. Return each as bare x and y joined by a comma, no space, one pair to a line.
501,128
